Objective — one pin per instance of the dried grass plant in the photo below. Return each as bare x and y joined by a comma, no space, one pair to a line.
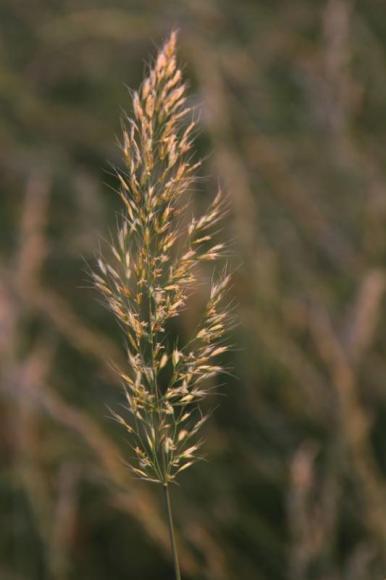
149,273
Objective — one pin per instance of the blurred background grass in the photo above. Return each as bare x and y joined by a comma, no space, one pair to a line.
292,104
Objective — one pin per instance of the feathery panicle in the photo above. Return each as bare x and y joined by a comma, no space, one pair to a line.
152,269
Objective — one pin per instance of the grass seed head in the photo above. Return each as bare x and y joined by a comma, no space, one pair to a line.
151,269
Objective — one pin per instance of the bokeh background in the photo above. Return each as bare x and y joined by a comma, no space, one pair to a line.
292,101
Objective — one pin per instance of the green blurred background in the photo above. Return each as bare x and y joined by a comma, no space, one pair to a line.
292,101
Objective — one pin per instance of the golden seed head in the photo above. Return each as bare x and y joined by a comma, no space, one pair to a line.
151,269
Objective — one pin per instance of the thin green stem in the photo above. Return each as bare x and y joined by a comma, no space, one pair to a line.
172,533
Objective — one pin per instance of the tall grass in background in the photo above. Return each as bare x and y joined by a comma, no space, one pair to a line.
293,107
148,275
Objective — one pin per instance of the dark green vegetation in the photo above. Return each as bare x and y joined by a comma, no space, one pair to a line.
293,110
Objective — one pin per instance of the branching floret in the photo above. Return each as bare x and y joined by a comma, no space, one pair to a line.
151,270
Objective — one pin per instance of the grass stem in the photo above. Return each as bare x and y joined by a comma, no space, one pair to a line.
172,533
